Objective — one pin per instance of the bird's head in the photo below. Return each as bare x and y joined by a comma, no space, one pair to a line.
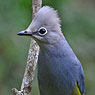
45,27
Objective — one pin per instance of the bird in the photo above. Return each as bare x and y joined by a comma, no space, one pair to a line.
59,70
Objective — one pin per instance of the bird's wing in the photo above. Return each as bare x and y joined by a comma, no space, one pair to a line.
80,82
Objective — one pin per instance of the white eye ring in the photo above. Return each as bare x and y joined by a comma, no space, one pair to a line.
42,31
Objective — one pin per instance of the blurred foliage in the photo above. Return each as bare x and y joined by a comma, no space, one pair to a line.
78,26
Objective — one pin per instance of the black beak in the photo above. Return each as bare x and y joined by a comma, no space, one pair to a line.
25,33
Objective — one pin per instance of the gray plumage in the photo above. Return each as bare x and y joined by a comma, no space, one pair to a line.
59,70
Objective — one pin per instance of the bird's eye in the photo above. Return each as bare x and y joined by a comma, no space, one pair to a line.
42,31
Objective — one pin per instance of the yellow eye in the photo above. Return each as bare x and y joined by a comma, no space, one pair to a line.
42,31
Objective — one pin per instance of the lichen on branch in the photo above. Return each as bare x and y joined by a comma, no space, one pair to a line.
31,60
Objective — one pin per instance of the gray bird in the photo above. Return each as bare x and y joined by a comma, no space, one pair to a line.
59,70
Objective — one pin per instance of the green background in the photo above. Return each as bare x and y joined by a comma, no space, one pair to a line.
78,26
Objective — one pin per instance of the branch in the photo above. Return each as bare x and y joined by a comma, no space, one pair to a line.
31,60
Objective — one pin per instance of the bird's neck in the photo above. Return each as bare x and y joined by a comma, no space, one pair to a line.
60,49
52,46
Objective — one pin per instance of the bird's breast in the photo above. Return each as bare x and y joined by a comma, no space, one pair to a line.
53,76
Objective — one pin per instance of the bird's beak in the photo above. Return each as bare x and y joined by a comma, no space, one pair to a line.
25,33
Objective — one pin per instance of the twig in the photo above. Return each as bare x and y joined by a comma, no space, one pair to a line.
31,60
